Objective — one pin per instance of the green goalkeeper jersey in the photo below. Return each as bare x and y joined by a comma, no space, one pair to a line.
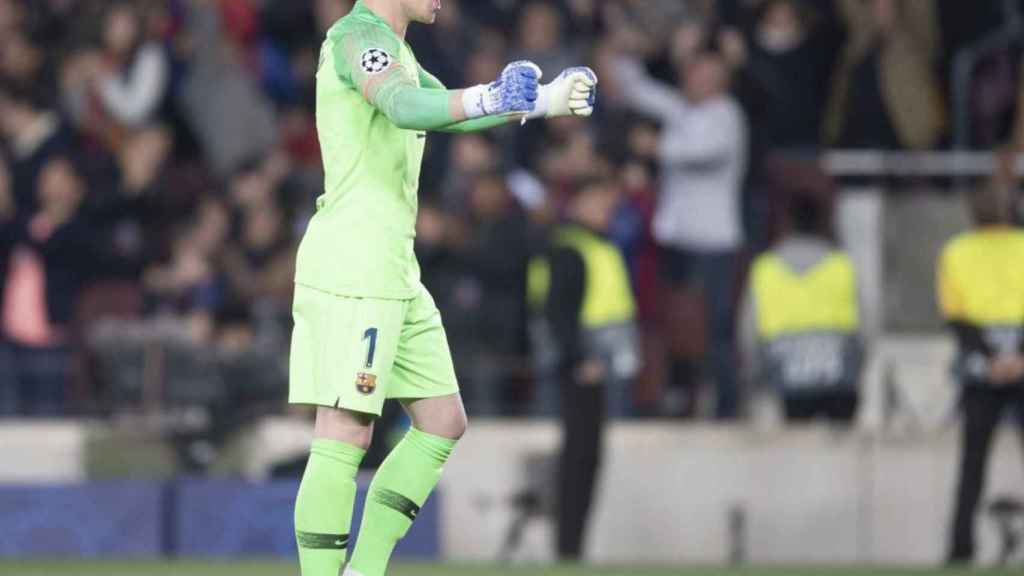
360,241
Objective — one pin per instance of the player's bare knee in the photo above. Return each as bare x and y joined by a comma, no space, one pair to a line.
346,426
451,423
445,417
457,424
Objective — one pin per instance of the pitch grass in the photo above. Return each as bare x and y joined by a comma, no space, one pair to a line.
189,568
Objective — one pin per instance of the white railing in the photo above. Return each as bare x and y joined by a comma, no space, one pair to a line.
908,164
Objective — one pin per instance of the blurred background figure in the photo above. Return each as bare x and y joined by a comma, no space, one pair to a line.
697,225
133,77
786,51
50,259
479,255
582,291
801,321
885,92
979,291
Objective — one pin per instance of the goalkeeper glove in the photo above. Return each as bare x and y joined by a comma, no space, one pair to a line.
572,93
513,93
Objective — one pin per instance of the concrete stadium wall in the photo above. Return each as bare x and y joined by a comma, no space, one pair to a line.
881,494
42,450
667,492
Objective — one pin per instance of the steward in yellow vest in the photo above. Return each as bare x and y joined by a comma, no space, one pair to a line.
980,285
803,305
584,326
582,298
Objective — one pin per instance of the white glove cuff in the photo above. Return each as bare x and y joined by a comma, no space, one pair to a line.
543,103
474,101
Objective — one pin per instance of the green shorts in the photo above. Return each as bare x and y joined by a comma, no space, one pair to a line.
356,352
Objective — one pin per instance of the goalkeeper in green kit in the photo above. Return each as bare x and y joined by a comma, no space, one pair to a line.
365,328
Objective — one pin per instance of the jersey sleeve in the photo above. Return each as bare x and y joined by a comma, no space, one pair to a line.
477,124
369,60
428,80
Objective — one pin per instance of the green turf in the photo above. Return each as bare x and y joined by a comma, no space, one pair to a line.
74,568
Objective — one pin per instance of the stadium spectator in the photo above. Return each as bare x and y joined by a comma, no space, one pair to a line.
8,387
789,54
259,267
162,104
492,249
51,256
703,155
134,79
117,87
650,24
471,155
885,93
232,120
22,60
188,287
127,207
542,38
32,134
800,319
979,288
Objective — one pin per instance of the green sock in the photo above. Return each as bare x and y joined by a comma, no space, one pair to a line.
399,488
323,508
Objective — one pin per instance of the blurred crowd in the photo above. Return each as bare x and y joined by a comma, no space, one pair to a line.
160,162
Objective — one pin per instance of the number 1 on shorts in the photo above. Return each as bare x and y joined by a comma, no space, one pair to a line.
370,333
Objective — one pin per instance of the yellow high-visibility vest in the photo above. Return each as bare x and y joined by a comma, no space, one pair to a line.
981,278
607,294
821,299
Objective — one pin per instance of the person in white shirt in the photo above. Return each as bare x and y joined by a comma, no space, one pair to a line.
697,220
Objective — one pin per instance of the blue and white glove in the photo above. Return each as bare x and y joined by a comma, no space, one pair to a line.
513,93
572,93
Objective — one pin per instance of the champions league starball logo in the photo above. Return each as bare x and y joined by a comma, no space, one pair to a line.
375,61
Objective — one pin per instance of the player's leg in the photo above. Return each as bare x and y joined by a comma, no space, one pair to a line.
341,355
405,479
323,507
424,380
443,416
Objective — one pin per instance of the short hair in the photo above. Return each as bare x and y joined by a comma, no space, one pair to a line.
805,212
804,13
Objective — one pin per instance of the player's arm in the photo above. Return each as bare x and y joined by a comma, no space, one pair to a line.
367,59
428,80
478,124
571,93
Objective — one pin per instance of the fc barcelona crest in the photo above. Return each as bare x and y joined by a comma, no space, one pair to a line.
366,383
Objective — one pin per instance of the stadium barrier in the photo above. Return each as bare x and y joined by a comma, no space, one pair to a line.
191,518
82,520
708,495
668,493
